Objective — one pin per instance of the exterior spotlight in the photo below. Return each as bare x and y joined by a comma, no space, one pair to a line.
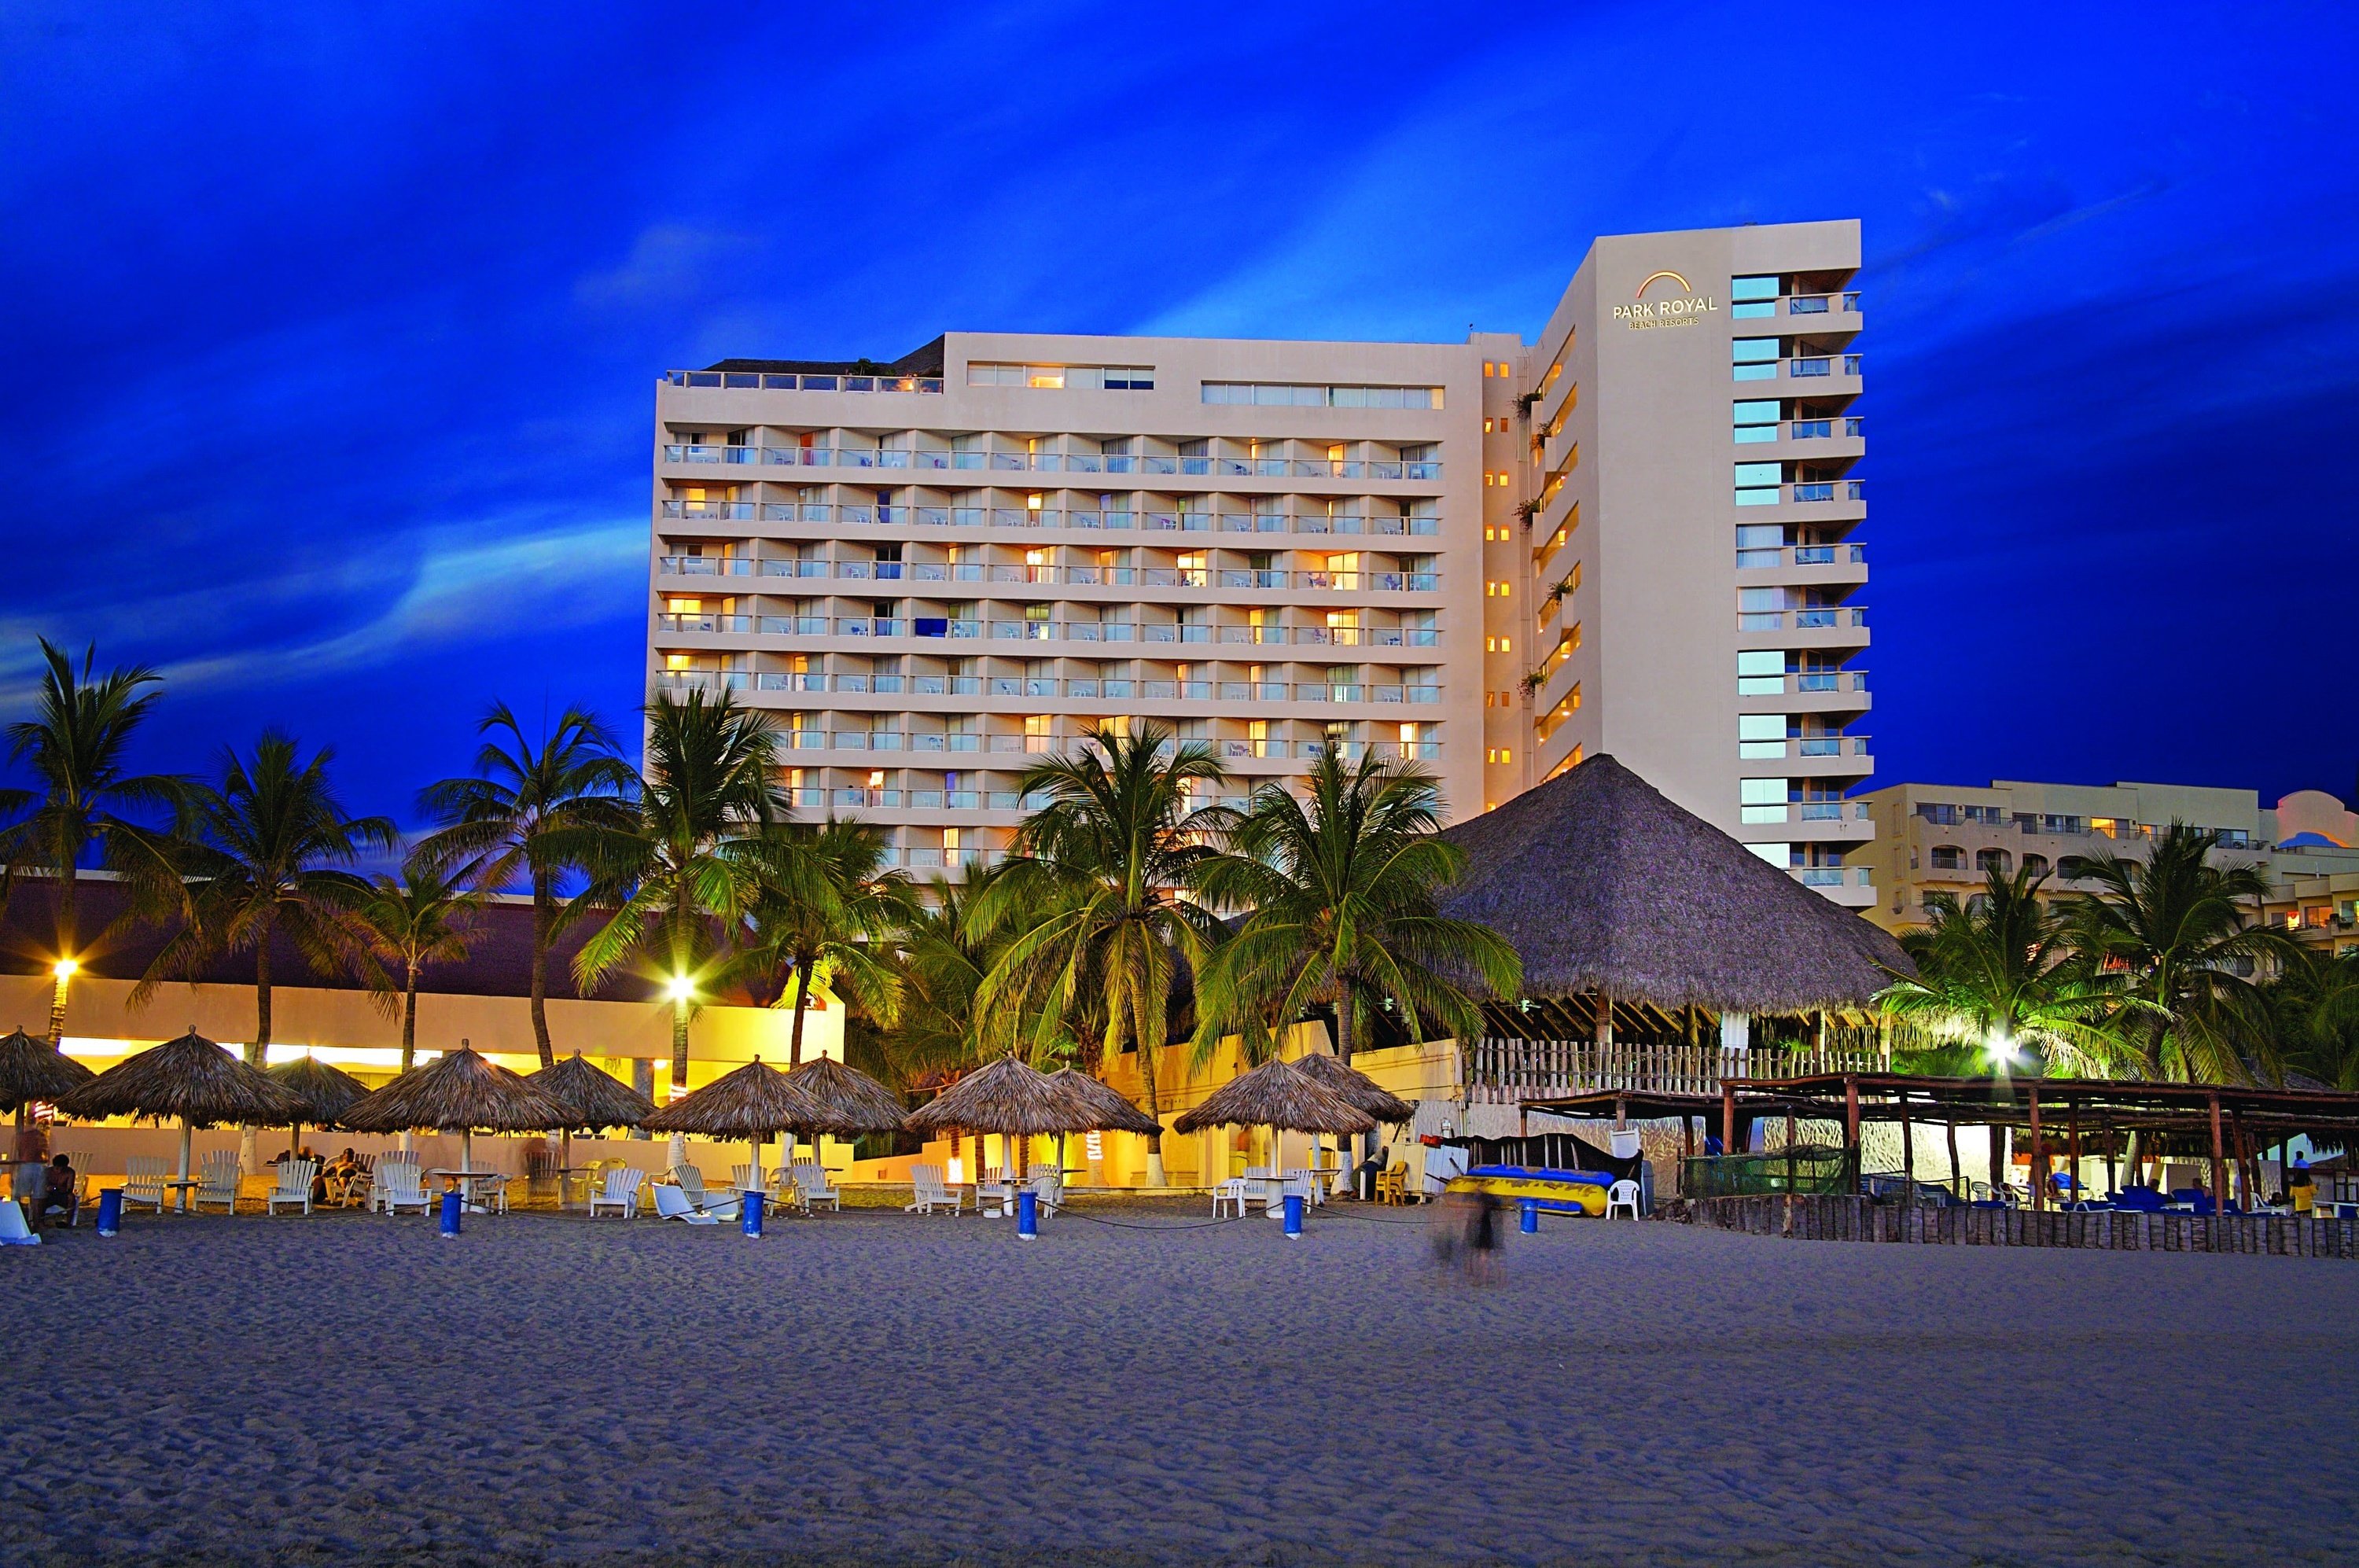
680,988
64,968
2001,1047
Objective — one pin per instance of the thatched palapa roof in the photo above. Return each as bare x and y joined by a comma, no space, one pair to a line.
756,1101
1277,1093
326,1092
1604,885
459,1092
858,1103
592,1097
1007,1096
1102,1100
32,1069
1362,1092
189,1079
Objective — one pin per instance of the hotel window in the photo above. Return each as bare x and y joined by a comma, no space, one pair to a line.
1495,589
1498,754
1757,484
1065,377
1273,395
1760,672
1760,734
1752,296
1756,420
1754,359
1761,799
1498,645
1949,857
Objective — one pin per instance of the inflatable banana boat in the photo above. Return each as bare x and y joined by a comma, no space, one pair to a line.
1561,1191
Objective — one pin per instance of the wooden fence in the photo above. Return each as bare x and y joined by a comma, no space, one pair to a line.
1509,1072
1819,1218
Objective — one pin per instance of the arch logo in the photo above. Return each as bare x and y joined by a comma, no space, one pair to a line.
1665,299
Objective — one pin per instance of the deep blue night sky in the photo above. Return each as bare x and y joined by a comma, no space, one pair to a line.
332,332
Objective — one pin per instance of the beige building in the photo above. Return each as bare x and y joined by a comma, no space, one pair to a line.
1492,557
1935,839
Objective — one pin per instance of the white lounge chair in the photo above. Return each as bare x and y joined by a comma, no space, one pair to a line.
14,1231
993,1186
1622,1194
691,1182
672,1203
294,1186
217,1181
750,1178
397,1185
619,1192
928,1191
143,1182
811,1187
1047,1189
1232,1194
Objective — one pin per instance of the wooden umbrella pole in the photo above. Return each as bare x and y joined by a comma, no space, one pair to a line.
2073,1124
2218,1164
2038,1165
1957,1177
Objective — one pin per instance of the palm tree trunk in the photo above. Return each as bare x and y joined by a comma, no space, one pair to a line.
802,1001
409,1020
543,917
257,1051
1154,1176
68,950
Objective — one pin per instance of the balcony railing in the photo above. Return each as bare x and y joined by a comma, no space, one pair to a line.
1162,632
1833,876
1802,555
1815,619
767,381
1349,524
1801,682
1095,690
1504,1071
928,458
1077,576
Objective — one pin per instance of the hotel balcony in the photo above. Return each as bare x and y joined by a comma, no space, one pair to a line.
1850,886
1802,375
1805,691
1804,565
692,460
819,520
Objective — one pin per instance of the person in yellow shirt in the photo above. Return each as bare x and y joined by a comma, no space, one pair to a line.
2298,1187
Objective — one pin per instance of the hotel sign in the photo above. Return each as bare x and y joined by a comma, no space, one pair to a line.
1682,309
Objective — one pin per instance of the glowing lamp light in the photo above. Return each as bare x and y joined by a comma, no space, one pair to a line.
2001,1047
954,1170
64,968
679,988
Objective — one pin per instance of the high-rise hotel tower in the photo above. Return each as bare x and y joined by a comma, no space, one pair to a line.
1635,536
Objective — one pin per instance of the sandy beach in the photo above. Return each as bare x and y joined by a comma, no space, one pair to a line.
871,1387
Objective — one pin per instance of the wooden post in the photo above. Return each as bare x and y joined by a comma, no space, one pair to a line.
2073,1123
2113,1146
1851,1115
2219,1165
1907,1151
1621,1112
1687,1137
2038,1165
1727,1118
1957,1177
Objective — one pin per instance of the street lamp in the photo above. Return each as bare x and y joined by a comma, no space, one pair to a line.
64,970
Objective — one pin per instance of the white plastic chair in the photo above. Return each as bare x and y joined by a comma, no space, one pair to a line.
397,1185
1232,1193
1047,1189
749,1178
928,1191
672,1203
619,1192
217,1181
294,1186
143,1182
1622,1194
811,1187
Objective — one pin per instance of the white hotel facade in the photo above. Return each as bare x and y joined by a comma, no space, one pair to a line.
1636,535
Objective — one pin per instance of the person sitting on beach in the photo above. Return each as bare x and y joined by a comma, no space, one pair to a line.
341,1175
60,1191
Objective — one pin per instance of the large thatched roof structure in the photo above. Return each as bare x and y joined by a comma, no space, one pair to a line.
458,1093
755,1102
1007,1096
326,1092
1355,1087
858,1103
1276,1094
1604,885
190,1079
32,1069
592,1097
1102,1100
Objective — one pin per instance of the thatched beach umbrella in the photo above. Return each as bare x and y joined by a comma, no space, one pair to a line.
755,1102
190,1078
1008,1097
326,1092
858,1103
1281,1097
32,1069
1109,1111
1357,1087
593,1100
459,1094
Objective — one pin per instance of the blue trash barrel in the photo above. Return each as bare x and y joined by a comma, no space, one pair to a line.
110,1211
1530,1223
1028,1216
451,1203
1294,1216
751,1215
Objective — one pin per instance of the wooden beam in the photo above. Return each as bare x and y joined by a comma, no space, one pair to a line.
2072,1121
2039,1169
1727,1119
2219,1165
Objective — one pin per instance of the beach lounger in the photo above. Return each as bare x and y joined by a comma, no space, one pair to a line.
619,1192
143,1182
928,1191
992,1187
294,1186
672,1203
1232,1194
691,1182
217,1181
1622,1194
399,1184
811,1187
14,1231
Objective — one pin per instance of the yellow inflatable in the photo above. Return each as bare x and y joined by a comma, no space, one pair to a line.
1560,1192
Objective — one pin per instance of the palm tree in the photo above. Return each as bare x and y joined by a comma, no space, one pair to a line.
408,923
823,904
1109,861
1997,974
2168,937
268,853
939,960
77,746
688,863
2313,1002
1344,884
534,813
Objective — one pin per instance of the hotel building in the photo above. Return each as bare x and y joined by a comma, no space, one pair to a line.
1636,535
1941,840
